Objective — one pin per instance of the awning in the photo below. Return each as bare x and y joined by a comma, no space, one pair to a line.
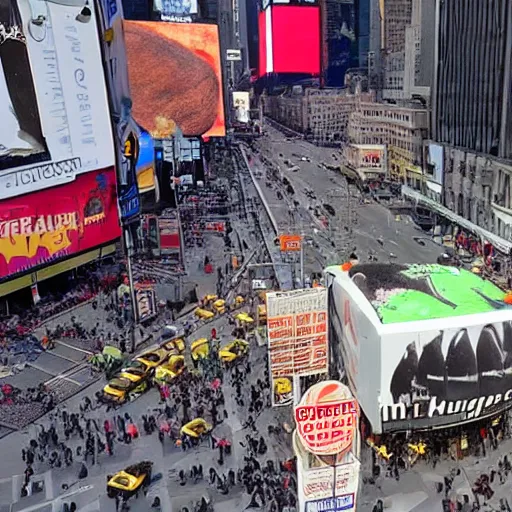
499,243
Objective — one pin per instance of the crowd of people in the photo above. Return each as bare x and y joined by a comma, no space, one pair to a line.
92,432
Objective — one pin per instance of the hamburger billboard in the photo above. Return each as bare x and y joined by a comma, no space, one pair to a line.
327,418
439,340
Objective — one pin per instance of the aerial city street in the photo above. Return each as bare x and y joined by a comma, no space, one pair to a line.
255,255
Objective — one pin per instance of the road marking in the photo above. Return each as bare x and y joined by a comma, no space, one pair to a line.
74,348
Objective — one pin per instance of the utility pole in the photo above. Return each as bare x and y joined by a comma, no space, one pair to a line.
131,282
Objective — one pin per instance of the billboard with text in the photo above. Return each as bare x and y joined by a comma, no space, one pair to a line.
176,78
46,226
53,100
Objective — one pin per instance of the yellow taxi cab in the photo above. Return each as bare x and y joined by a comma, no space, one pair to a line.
262,314
204,314
153,358
196,428
168,371
128,482
233,351
245,318
219,306
127,385
174,346
200,349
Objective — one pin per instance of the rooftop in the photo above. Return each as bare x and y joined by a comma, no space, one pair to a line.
408,293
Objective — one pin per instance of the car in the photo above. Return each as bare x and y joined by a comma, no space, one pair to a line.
153,358
125,387
130,481
204,314
169,370
200,349
234,350
174,345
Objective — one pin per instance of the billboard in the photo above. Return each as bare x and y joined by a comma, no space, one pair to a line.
297,338
327,419
262,43
145,298
145,168
291,41
54,106
49,225
436,341
372,158
436,159
176,78
169,228
446,376
242,106
290,243
175,10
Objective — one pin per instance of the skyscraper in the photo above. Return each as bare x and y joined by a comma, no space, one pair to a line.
472,107
340,42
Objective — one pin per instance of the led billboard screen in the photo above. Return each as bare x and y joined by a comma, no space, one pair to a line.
289,39
52,224
262,44
296,39
175,78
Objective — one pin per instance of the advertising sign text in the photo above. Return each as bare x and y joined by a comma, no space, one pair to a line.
290,243
54,107
297,332
327,418
49,225
371,158
447,376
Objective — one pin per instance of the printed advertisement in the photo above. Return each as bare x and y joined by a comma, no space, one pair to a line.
447,376
54,108
242,106
297,332
317,485
145,298
178,82
327,417
169,227
49,225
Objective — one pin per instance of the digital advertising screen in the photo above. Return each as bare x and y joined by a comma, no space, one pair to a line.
289,39
296,39
176,78
48,225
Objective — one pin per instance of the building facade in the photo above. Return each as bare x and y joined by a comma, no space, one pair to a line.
321,114
339,36
472,106
401,129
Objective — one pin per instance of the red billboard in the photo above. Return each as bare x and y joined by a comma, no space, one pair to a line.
262,42
289,39
52,224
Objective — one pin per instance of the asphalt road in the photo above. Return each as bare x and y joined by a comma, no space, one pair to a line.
367,228
90,492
